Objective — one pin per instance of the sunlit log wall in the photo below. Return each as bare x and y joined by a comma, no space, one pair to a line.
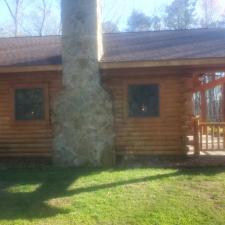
28,138
163,135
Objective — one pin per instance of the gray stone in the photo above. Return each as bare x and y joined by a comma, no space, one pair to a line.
83,118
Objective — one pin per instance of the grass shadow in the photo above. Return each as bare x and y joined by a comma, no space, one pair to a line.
53,183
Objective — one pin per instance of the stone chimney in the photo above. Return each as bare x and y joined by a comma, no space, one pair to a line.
83,118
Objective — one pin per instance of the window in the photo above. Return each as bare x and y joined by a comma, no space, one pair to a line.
29,104
143,100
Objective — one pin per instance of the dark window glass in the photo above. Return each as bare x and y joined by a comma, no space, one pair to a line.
143,100
29,104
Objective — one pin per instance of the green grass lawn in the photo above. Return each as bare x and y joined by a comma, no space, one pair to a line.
112,196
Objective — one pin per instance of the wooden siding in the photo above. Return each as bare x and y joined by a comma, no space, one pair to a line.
29,138
160,136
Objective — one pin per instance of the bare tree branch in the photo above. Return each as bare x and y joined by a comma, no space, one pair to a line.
43,19
14,14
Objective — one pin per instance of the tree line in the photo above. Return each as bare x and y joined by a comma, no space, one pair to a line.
180,14
42,17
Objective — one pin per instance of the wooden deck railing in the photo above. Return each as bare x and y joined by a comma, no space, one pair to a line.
209,136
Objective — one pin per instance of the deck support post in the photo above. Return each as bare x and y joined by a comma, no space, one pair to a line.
187,112
203,105
223,102
196,137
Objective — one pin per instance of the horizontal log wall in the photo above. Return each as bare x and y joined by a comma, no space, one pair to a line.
30,138
149,136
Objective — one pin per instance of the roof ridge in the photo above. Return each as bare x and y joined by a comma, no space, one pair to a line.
161,31
30,37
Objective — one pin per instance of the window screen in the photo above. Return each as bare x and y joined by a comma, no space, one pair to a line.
143,100
29,104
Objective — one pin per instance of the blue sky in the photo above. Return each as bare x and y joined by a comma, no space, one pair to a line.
116,11
29,15
112,9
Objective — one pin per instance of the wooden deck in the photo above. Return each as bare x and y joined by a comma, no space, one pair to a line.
206,153
208,138
214,146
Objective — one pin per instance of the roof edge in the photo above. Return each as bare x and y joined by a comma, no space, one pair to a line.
162,63
39,68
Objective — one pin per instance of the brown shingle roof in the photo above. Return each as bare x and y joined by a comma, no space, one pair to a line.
136,46
26,51
164,45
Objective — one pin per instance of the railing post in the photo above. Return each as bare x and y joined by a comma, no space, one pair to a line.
196,137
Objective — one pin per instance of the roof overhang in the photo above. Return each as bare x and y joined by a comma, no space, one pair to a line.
39,68
163,63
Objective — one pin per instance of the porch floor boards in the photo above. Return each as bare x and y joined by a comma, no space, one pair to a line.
207,153
211,147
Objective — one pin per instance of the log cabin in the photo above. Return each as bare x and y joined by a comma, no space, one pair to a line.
85,98
150,76
30,78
